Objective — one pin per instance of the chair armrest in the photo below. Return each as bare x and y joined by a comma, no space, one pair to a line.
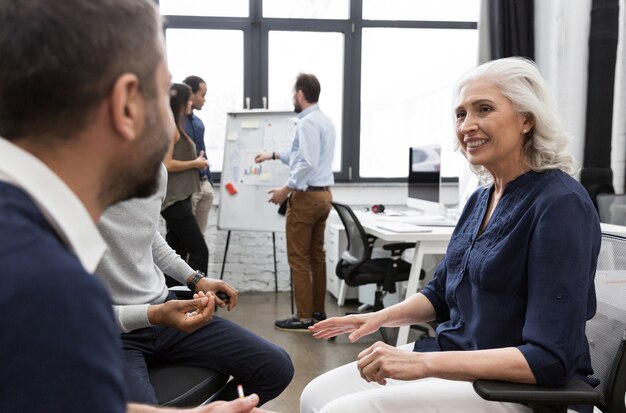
575,392
397,248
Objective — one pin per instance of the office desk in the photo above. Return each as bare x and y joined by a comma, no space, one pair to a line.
433,242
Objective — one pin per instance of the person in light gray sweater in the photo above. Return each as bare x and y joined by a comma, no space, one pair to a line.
156,328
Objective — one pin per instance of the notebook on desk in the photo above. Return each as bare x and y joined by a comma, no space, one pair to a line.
401,227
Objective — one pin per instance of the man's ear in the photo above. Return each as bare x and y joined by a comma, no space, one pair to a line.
127,107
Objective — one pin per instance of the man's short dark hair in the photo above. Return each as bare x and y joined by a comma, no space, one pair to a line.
194,83
59,59
310,87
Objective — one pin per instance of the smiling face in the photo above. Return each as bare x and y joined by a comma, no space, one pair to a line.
489,130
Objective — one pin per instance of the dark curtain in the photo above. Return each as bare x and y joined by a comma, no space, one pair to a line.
512,28
596,175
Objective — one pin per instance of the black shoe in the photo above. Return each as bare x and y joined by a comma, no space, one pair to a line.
317,317
293,324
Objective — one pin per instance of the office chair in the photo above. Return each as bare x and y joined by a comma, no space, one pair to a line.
357,267
185,386
606,333
612,208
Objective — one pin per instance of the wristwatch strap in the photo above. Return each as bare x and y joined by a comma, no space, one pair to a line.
198,275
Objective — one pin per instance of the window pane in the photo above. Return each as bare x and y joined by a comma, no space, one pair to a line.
406,93
217,57
310,52
222,8
444,10
307,9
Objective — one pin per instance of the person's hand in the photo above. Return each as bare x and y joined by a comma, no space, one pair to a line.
381,361
184,315
214,286
279,195
358,325
241,405
264,156
201,162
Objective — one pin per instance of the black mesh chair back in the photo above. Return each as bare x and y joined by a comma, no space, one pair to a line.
356,265
359,248
606,332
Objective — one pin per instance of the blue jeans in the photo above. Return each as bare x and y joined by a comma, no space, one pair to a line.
260,366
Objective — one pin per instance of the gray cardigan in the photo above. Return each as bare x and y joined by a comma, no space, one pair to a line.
137,255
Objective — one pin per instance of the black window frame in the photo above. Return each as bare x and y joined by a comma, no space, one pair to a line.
256,30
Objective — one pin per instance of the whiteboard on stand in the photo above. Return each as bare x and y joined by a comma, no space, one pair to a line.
249,133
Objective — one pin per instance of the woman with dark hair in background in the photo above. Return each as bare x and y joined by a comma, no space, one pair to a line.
182,163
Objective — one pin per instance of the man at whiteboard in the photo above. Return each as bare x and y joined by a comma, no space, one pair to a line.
308,189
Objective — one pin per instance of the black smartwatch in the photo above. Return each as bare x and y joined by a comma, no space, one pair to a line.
197,276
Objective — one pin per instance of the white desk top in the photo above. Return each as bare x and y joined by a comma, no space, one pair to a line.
369,222
433,234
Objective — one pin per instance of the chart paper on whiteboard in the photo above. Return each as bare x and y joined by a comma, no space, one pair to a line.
249,133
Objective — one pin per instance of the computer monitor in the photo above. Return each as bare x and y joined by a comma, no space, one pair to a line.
424,179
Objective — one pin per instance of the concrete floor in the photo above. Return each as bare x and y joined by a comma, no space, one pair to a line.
311,357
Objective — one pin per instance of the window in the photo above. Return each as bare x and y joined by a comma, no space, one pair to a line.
228,8
386,77
310,52
439,10
217,57
307,9
406,93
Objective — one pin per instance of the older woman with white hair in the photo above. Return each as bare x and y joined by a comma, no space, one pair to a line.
513,293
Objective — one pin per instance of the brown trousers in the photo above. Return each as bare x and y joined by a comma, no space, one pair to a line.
306,222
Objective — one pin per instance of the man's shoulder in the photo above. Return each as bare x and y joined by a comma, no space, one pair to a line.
33,258
21,222
58,316
196,120
29,246
316,118
19,215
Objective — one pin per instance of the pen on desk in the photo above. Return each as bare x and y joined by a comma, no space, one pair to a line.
240,391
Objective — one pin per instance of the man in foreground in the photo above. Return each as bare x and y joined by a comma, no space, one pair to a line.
85,122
